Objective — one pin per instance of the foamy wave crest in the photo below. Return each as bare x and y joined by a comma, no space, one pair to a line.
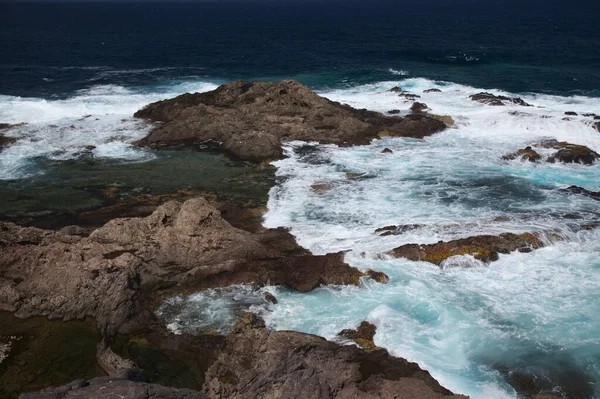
93,122
398,72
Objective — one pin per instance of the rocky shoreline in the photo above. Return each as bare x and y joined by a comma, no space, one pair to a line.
136,253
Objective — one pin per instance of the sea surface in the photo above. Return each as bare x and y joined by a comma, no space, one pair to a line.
74,74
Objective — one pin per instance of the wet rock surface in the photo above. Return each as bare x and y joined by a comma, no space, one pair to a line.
492,99
566,153
251,119
484,248
363,335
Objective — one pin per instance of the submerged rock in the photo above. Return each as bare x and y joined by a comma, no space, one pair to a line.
492,99
583,191
256,363
6,141
484,248
571,113
526,154
394,112
432,91
251,119
387,151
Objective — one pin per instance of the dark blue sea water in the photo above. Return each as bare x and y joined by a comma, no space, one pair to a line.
53,48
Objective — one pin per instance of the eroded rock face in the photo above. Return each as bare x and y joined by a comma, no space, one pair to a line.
251,119
178,247
256,363
492,99
484,248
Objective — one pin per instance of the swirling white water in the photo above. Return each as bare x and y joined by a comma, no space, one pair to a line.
536,312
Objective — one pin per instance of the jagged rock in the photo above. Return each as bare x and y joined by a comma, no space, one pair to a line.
113,387
259,364
418,107
484,248
525,154
432,91
251,119
363,335
572,153
387,151
397,230
179,246
492,99
270,298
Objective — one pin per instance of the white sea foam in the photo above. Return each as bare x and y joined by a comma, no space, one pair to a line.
61,129
461,320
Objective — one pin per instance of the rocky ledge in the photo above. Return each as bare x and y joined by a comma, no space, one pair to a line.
565,153
484,248
256,363
492,99
252,119
179,248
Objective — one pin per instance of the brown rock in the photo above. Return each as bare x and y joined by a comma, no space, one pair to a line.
417,107
250,119
525,154
321,187
270,298
575,154
363,335
380,277
491,99
181,246
256,363
484,248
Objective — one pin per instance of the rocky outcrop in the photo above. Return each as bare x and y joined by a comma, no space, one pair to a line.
251,119
418,107
363,335
256,363
113,387
566,153
178,247
492,99
525,154
484,248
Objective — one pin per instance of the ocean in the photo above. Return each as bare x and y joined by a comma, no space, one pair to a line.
75,72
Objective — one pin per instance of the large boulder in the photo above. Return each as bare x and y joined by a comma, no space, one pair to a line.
251,119
259,364
484,248
185,246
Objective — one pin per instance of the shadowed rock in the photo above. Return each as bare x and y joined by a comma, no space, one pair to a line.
484,248
251,119
492,99
288,364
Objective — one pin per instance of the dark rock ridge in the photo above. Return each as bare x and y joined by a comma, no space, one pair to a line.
178,247
251,119
254,363
259,364
484,248
492,99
